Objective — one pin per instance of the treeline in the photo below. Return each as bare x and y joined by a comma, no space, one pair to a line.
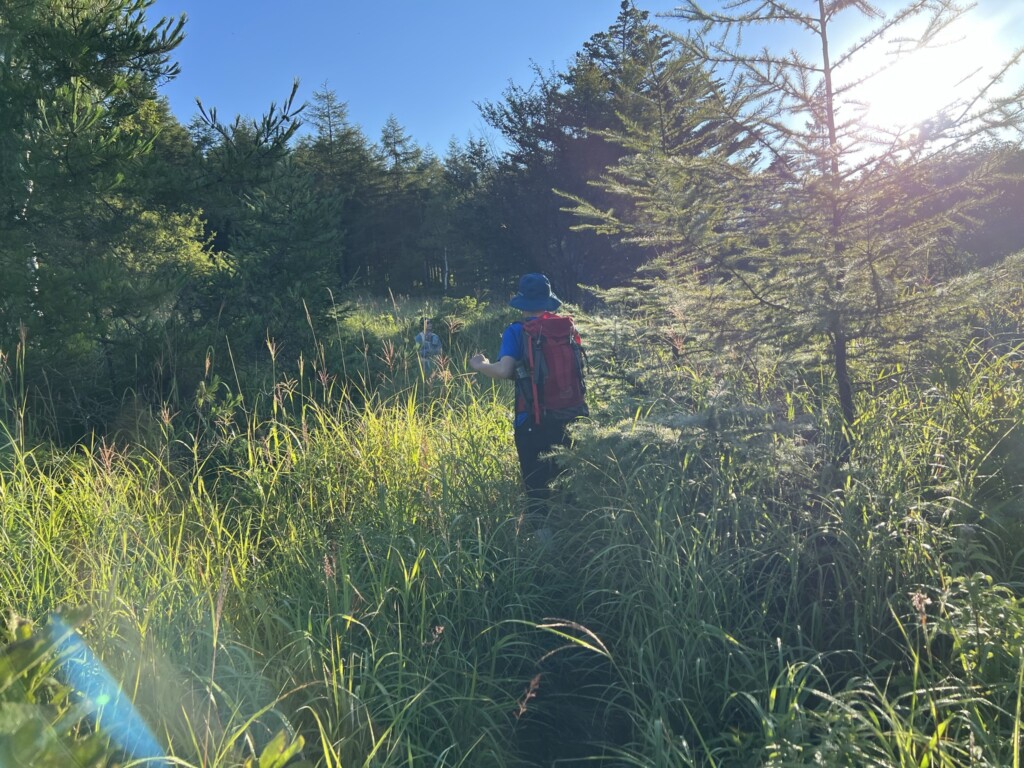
134,249
132,244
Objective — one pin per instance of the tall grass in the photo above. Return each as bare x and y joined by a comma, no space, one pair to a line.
337,574
764,608
334,560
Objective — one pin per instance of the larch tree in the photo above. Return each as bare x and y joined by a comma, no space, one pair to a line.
828,229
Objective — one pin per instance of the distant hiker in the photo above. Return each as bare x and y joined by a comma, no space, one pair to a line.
543,353
429,346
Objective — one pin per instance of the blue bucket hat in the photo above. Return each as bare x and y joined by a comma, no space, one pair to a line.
535,294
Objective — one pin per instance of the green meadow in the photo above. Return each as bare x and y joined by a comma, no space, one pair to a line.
240,526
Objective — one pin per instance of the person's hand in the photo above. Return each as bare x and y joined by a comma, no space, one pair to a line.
478,361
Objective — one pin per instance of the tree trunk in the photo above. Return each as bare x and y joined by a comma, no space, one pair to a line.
840,362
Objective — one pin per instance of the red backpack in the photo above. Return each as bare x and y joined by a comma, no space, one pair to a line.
550,382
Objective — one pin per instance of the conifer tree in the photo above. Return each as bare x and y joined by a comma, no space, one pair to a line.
88,262
399,224
347,175
827,229
466,240
70,80
562,132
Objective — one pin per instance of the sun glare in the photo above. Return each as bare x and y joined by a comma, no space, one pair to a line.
914,89
909,89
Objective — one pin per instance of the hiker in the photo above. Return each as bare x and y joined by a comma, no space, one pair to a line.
429,344
542,414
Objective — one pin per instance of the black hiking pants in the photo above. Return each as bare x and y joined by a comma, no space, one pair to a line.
532,441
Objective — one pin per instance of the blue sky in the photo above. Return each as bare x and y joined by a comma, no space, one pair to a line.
425,61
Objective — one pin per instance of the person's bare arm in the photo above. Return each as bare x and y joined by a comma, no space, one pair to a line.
502,369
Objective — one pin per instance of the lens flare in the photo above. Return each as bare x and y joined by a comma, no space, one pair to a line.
112,710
